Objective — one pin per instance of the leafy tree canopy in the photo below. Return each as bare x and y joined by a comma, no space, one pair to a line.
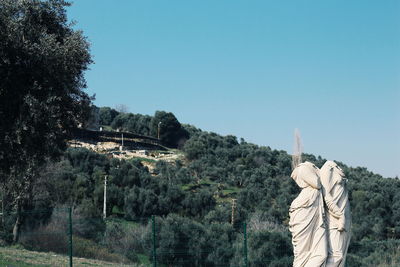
168,128
42,62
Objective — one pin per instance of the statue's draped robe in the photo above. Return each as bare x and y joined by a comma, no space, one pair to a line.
307,219
335,189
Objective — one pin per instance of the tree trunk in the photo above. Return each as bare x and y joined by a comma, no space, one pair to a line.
2,207
2,212
17,222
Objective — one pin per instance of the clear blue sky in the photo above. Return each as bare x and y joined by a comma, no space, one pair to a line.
257,70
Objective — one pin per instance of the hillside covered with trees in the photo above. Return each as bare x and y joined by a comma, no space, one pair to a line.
200,202
192,200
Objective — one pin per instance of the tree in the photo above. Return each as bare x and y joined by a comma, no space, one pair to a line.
181,241
42,63
121,108
107,115
165,126
270,249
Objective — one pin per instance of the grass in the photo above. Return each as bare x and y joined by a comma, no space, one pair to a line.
188,187
107,128
226,193
17,257
226,190
230,191
192,186
5,262
144,159
117,211
144,259
123,222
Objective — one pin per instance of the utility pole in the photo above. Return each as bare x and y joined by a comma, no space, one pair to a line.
122,146
153,220
70,236
159,130
233,211
105,198
2,208
246,263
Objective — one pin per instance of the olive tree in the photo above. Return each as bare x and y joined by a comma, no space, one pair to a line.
42,65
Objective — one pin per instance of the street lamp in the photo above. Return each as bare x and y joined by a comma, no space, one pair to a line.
105,198
159,130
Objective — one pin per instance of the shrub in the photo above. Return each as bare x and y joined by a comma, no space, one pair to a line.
87,222
127,239
51,237
85,248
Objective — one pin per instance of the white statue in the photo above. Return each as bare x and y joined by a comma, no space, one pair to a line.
309,236
338,227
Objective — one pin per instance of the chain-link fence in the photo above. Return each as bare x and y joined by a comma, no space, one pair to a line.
47,230
176,243
66,237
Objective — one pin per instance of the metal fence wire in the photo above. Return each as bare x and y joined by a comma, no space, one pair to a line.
66,237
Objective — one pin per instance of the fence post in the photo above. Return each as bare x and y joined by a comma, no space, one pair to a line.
245,245
154,242
70,235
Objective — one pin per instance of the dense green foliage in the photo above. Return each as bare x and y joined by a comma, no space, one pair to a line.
192,202
41,99
163,125
42,62
41,70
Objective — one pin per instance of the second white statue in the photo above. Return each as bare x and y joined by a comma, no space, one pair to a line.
320,216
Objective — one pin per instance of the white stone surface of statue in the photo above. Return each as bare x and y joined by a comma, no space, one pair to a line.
307,212
338,227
